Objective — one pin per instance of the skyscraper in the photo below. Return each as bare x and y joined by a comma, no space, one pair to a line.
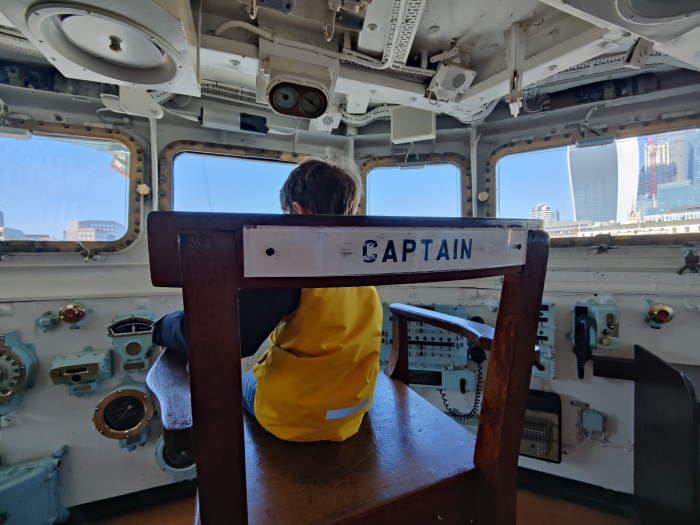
604,180
93,231
543,212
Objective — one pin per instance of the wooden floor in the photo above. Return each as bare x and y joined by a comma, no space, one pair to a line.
533,509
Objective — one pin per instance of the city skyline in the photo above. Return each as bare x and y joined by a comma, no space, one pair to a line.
647,180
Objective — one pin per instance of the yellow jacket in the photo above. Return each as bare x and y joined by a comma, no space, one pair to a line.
316,380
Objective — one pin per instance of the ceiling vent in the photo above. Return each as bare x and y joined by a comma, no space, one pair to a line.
149,43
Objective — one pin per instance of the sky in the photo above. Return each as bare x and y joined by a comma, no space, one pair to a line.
519,180
45,184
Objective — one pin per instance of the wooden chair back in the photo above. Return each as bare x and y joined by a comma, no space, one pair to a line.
212,256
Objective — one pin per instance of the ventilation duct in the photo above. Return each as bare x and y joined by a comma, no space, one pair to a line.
150,44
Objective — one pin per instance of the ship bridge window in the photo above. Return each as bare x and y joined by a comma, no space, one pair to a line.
63,188
644,185
227,184
423,190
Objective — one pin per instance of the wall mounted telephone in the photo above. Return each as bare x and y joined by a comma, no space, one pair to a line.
594,325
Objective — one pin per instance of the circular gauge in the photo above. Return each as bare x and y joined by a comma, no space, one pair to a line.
123,413
285,96
12,373
312,103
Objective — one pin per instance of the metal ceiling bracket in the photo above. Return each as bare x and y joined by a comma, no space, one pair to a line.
514,62
638,53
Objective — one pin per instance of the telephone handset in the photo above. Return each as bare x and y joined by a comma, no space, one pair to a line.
583,324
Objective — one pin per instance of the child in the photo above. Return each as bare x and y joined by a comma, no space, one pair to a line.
316,380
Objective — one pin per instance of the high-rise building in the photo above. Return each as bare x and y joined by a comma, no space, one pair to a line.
543,212
604,180
11,234
2,219
694,155
93,231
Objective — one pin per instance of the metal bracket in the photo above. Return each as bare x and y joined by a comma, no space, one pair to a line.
692,263
514,63
133,101
638,53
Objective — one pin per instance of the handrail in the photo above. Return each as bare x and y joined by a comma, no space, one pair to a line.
478,333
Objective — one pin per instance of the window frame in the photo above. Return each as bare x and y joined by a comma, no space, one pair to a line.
619,132
136,177
460,161
172,150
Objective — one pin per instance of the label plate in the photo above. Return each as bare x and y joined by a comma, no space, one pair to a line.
295,251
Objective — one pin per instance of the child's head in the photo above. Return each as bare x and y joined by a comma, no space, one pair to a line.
317,187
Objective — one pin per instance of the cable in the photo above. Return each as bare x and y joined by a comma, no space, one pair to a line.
461,416
347,55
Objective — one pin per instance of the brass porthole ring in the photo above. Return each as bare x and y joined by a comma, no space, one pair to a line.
98,418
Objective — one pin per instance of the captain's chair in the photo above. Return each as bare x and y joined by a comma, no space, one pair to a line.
410,463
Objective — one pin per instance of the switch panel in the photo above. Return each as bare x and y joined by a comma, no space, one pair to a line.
545,340
605,326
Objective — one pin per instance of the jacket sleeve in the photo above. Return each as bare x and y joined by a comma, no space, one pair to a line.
260,311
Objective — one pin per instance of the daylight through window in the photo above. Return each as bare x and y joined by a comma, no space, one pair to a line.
634,186
429,190
63,189
217,183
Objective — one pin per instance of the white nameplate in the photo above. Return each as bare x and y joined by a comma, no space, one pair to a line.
294,251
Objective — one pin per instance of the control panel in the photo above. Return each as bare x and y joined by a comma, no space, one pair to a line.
546,332
436,357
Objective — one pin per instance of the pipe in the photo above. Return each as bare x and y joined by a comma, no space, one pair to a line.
473,167
154,164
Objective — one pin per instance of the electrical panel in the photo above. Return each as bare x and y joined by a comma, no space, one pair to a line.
545,340
542,430
435,357
30,491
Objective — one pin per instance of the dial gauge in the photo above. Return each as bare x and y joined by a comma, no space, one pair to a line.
312,103
285,96
124,413
12,373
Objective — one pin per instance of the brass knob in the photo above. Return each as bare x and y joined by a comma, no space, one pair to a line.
72,313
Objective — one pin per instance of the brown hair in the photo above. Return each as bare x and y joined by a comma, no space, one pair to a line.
321,188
